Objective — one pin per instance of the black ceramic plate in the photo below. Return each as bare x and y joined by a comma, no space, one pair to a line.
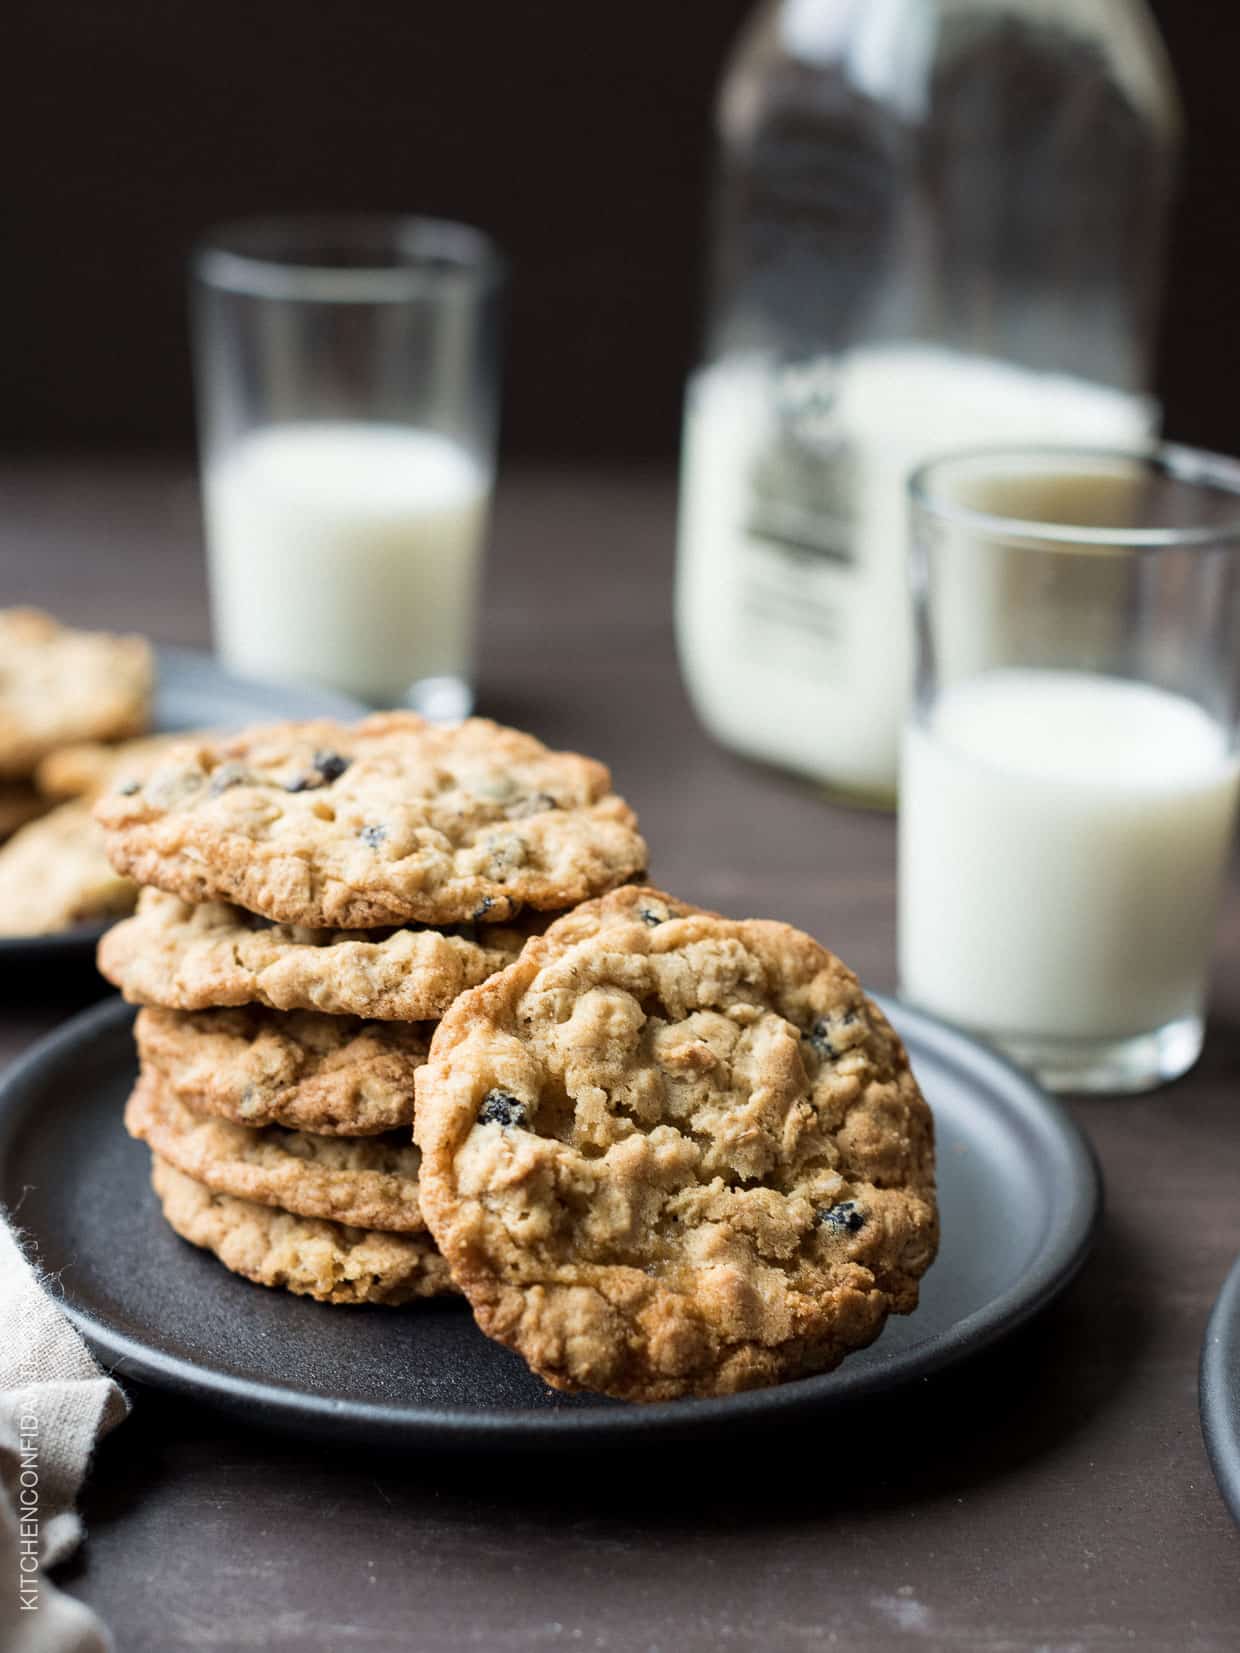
1019,1193
192,692
1220,1390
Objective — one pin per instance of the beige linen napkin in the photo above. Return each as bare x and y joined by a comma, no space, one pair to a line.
55,1403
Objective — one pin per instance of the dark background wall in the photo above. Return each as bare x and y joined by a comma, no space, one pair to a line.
577,133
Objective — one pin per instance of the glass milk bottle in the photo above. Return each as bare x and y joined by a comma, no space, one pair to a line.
938,223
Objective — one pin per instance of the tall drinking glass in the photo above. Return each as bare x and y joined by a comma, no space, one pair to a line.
1069,774
347,375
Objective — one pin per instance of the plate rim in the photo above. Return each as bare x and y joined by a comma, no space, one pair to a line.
1076,1195
182,657
1218,1398
56,944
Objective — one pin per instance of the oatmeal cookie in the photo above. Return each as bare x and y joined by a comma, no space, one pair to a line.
667,1153
54,874
391,821
198,958
326,1260
58,685
368,1183
88,766
330,1075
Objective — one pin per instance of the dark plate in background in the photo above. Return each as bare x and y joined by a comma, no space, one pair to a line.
1220,1390
1019,1193
192,692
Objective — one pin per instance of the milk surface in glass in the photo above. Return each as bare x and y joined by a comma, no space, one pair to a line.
346,553
1062,844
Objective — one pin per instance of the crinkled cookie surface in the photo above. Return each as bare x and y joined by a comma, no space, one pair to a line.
315,1258
331,1075
367,1182
188,957
667,1153
390,821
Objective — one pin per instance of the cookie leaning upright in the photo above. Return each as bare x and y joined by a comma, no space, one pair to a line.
390,821
668,1153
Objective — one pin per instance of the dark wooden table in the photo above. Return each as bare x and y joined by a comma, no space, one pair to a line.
1054,1495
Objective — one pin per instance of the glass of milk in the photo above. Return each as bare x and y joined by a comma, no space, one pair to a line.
347,373
1069,768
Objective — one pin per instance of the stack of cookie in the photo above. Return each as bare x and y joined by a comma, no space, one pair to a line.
662,1152
316,898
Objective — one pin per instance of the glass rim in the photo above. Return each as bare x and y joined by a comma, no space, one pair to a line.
400,256
1189,467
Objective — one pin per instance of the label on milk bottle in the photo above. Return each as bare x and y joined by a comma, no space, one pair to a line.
797,550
